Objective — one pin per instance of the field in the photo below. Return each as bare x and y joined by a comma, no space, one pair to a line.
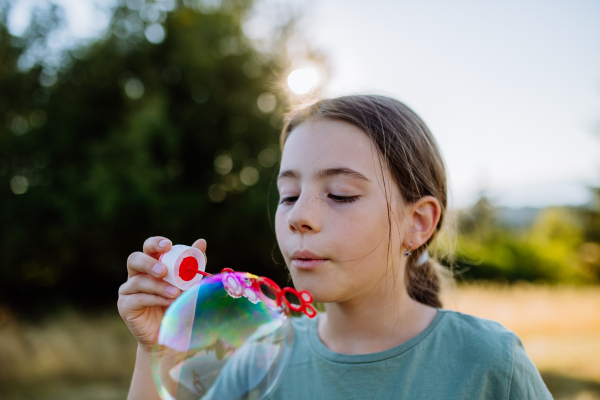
73,356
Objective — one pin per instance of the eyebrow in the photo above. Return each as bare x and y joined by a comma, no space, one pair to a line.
327,173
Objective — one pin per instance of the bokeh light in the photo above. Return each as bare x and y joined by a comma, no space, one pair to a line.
134,88
249,176
155,33
303,80
266,102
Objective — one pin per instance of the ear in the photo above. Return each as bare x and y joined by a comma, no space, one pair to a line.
423,217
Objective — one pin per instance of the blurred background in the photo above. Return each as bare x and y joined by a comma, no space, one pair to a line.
126,119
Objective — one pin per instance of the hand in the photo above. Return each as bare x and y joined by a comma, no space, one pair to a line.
145,297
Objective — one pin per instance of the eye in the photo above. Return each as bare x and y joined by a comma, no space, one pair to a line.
343,199
288,200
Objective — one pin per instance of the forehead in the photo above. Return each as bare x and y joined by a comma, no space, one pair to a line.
320,143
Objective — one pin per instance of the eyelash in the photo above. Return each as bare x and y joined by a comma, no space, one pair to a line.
339,199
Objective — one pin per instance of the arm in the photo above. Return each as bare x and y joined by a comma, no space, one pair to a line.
142,303
142,385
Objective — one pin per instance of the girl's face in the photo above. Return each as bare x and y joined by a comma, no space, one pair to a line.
332,220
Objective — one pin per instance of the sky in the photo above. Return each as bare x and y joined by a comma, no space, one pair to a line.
510,89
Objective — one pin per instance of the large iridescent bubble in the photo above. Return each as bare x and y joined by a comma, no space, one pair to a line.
222,340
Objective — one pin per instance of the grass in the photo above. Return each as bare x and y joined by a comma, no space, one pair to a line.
74,356
70,356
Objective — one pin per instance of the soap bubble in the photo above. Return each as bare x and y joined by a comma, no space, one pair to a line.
223,339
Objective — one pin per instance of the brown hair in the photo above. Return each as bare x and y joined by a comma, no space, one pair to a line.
413,158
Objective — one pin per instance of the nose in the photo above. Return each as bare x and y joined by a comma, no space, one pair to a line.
304,216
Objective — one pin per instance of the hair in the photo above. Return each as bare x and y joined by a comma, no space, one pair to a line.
413,158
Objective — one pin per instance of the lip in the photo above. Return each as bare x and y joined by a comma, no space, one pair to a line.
307,260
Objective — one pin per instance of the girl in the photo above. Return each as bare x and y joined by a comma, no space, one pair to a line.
363,194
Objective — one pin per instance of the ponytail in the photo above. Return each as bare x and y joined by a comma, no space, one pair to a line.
423,280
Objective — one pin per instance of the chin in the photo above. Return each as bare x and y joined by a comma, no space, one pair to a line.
321,288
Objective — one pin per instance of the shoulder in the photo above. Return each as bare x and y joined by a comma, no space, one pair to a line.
489,344
482,336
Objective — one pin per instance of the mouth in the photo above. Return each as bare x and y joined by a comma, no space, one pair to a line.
307,260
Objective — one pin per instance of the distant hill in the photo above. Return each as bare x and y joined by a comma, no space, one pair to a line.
517,217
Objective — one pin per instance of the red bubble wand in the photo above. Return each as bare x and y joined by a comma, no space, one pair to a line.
186,268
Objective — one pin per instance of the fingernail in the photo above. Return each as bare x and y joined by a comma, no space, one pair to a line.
157,269
163,243
172,290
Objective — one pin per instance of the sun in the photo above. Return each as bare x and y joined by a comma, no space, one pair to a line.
303,80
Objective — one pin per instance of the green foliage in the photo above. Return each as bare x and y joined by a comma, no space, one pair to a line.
123,147
550,250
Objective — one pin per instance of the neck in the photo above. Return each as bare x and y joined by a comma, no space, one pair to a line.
382,317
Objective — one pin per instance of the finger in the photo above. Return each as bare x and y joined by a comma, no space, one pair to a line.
140,301
200,244
140,263
147,284
157,245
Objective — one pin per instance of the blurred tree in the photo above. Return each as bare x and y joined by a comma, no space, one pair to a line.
590,249
549,251
480,219
166,126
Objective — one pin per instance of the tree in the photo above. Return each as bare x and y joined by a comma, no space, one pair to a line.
160,128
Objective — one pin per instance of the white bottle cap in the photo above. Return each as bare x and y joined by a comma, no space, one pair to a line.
181,260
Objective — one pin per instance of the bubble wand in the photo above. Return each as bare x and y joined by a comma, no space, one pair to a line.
186,268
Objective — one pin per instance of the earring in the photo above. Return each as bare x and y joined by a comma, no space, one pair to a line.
407,253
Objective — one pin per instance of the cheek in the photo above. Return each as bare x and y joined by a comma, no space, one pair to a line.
362,234
280,224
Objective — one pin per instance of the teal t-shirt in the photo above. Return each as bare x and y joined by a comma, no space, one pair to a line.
458,356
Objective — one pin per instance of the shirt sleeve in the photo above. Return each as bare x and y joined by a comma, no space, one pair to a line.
526,381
